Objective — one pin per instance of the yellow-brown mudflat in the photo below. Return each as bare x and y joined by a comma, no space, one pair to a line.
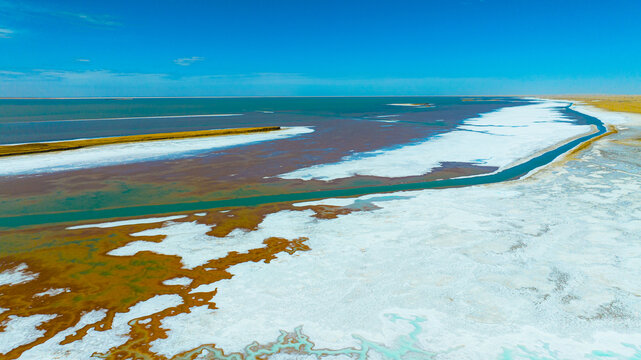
623,103
31,148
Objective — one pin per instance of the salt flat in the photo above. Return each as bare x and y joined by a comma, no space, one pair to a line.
540,268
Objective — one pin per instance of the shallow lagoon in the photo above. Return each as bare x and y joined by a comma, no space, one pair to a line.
341,129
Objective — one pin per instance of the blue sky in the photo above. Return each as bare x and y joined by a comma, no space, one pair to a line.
308,47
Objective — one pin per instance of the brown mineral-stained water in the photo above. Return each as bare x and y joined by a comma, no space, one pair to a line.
226,173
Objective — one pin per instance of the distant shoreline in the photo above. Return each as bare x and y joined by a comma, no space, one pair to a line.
240,97
550,96
616,103
41,147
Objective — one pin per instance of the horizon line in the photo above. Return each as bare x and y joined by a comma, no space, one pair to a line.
287,96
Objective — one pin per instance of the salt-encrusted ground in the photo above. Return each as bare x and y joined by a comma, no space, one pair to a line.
541,268
498,138
547,266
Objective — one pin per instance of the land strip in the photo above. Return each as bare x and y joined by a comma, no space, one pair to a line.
32,148
620,103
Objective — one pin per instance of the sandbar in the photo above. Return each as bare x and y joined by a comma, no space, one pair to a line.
40,147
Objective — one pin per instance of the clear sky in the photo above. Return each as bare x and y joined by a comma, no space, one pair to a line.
324,47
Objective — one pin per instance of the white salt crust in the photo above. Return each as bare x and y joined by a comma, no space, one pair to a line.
115,154
20,330
498,138
52,292
98,341
16,275
190,241
52,350
127,222
542,268
179,281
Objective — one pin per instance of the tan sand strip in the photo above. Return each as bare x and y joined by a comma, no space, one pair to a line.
31,148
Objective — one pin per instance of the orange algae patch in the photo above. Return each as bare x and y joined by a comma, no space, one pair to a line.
77,260
32,148
145,330
95,281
